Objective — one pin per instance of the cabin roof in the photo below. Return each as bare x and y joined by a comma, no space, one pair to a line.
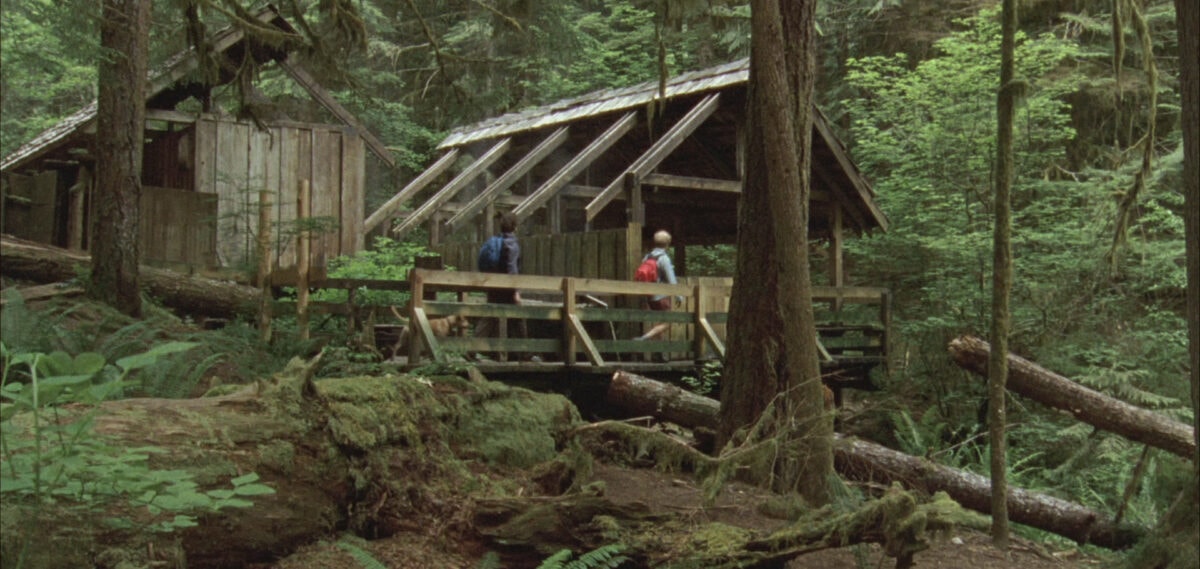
173,82
600,103
631,129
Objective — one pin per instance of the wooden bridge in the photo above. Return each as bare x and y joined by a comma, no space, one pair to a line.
588,325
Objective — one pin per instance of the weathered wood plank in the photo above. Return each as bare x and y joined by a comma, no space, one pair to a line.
407,192
469,174
353,194
522,167
576,166
326,166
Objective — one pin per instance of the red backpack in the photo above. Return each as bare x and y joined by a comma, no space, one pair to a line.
647,272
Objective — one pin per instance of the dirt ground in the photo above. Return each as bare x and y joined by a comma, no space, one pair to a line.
738,506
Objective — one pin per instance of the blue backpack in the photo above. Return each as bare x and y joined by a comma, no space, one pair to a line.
489,254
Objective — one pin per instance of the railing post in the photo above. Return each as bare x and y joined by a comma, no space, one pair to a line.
885,319
416,280
697,321
568,310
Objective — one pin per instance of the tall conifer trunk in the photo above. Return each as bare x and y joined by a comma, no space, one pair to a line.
772,331
1002,277
120,120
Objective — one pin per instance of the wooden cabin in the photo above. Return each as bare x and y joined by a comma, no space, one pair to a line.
203,172
593,177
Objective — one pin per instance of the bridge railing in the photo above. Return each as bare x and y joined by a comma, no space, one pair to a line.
572,319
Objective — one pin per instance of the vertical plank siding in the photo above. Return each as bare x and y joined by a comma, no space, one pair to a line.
235,160
183,229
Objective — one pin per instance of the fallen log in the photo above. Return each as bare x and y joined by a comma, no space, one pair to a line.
365,454
1092,407
865,461
43,263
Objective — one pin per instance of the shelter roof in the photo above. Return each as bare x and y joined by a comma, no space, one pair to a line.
174,81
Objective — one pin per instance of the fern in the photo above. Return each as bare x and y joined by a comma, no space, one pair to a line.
603,557
362,556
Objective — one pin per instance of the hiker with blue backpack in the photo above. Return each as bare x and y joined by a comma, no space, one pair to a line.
656,267
501,254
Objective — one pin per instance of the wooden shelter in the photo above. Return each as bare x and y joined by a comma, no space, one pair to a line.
593,177
203,172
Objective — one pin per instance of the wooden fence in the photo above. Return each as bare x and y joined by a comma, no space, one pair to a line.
581,320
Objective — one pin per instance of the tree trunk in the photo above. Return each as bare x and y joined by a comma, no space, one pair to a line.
1091,407
772,330
1187,15
120,122
1002,277
869,462
190,295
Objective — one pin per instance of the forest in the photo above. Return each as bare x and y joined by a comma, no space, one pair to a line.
156,441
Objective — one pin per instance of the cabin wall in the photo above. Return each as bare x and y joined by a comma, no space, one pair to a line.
235,161
29,205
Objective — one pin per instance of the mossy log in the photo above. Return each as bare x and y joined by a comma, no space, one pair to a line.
195,295
869,462
372,455
1092,407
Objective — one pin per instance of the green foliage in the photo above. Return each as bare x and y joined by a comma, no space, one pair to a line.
58,459
709,378
353,545
605,556
387,259
924,132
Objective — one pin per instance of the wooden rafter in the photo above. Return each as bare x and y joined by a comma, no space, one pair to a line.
453,187
550,144
692,183
302,77
653,156
419,183
576,165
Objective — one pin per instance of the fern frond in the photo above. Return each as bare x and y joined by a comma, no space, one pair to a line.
557,561
362,556
603,557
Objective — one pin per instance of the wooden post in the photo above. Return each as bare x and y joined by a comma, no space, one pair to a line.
264,264
302,260
435,229
635,208
836,270
489,221
75,224
568,310
698,321
416,280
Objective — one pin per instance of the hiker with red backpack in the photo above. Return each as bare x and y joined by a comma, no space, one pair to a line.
656,267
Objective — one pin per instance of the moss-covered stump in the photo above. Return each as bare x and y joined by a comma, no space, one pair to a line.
374,455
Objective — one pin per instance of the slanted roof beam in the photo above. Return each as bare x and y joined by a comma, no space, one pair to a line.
418,184
858,185
305,80
653,156
510,177
568,172
453,187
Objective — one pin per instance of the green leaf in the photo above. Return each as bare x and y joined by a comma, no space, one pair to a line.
254,490
245,479
233,503
149,357
89,363
220,494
